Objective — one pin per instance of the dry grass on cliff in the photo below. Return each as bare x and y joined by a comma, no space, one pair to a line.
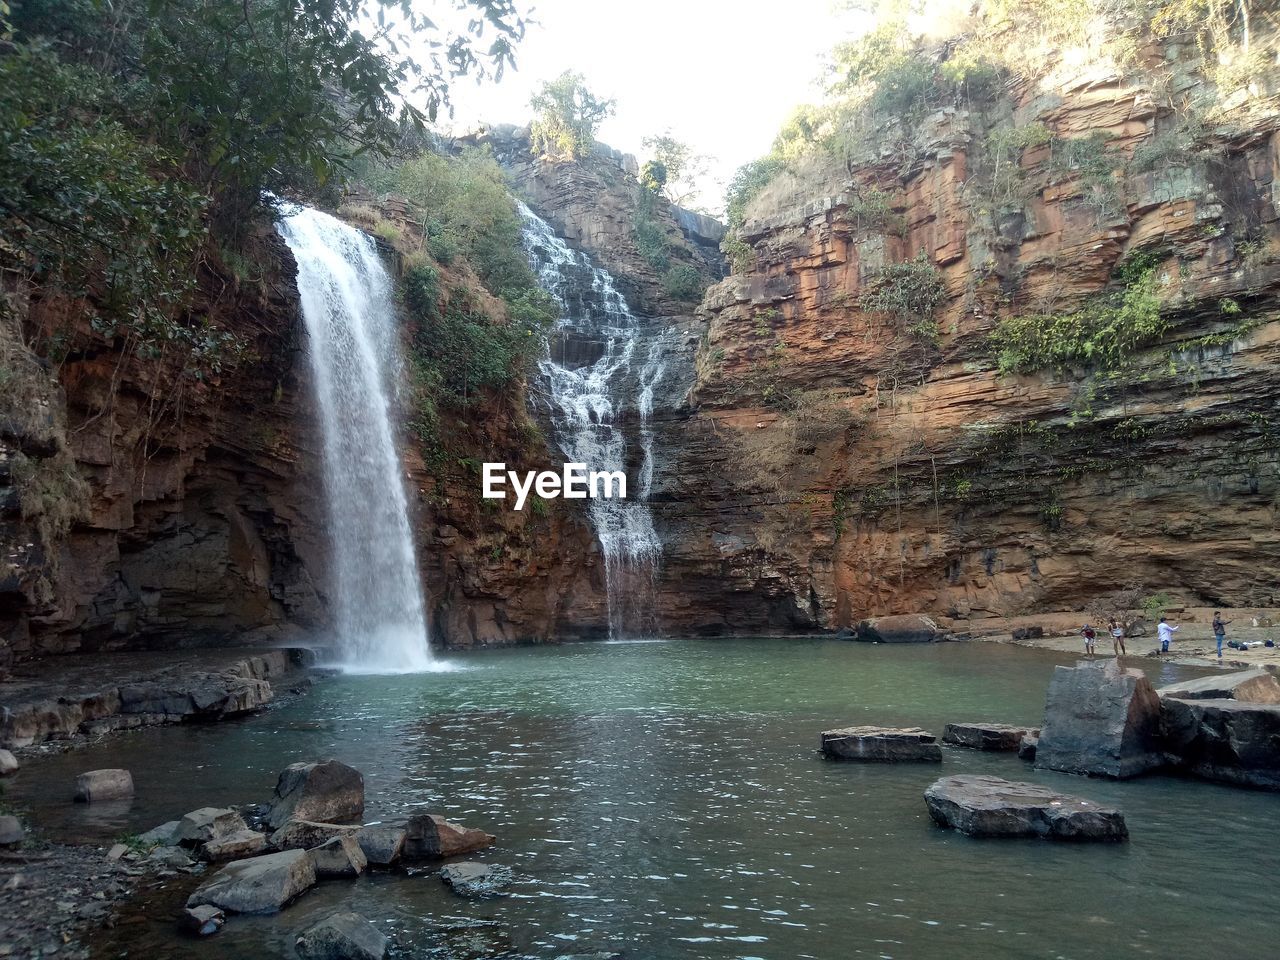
772,455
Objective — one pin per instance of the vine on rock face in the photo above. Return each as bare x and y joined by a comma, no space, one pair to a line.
911,292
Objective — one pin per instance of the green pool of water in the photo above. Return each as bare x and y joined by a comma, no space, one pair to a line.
667,800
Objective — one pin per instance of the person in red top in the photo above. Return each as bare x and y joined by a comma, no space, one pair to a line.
1090,635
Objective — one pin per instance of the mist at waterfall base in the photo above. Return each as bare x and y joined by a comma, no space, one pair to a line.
587,405
380,621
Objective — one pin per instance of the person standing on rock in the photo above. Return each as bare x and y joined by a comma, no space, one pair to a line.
1117,637
1090,635
1219,630
1165,632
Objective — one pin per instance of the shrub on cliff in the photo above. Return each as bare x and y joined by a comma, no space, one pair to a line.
910,292
566,117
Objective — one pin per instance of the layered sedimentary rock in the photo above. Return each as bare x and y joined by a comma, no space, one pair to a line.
980,806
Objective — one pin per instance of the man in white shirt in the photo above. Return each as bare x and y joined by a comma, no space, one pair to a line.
1165,630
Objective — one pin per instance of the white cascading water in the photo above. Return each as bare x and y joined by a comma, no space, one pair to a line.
351,323
588,401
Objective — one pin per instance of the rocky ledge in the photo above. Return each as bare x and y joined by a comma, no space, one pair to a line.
981,806
1000,737
881,745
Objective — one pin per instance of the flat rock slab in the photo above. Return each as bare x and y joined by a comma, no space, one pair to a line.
981,806
1228,741
98,785
342,936
476,881
1100,719
258,885
234,846
1000,737
881,745
1251,686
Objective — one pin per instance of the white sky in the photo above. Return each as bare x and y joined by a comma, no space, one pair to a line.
723,75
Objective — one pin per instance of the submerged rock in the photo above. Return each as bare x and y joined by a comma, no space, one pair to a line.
1001,737
911,628
328,792
208,824
339,856
1229,741
476,881
98,785
258,885
382,845
981,806
1252,686
431,835
304,834
202,921
343,936
881,744
1100,719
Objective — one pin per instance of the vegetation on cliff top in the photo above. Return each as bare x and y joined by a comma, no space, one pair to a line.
566,117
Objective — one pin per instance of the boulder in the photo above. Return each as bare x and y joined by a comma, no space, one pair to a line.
881,744
1100,719
982,806
1251,686
1028,633
328,792
202,921
8,763
233,846
1027,748
164,835
305,834
98,785
382,845
1230,741
476,881
1000,737
11,832
339,857
342,936
431,835
208,823
258,885
911,628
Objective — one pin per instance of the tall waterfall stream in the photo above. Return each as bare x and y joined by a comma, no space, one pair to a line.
596,367
351,323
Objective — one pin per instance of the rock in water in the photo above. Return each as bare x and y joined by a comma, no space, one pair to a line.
1251,686
1001,737
881,744
981,806
382,845
1027,748
328,792
911,628
1229,741
259,885
431,835
476,881
339,857
8,763
304,834
207,824
234,846
11,832
98,785
202,921
343,936
1100,719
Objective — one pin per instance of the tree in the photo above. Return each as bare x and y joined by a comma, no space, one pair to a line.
684,167
653,175
566,117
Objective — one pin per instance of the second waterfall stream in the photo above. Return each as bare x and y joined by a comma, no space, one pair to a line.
598,369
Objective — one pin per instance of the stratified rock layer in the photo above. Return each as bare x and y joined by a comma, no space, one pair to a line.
988,736
1252,686
881,745
981,806
1230,741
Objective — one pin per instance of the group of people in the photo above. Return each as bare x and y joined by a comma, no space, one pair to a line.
1164,632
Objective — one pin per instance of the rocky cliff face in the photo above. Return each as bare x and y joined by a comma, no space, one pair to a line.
835,465
146,505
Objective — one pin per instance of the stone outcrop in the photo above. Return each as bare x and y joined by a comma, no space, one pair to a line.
383,845
1229,741
911,628
342,936
1252,686
259,885
96,786
431,836
1100,719
871,744
327,792
981,806
1001,737
304,834
339,856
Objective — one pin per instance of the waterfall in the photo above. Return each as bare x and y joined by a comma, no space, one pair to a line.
596,368
347,307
